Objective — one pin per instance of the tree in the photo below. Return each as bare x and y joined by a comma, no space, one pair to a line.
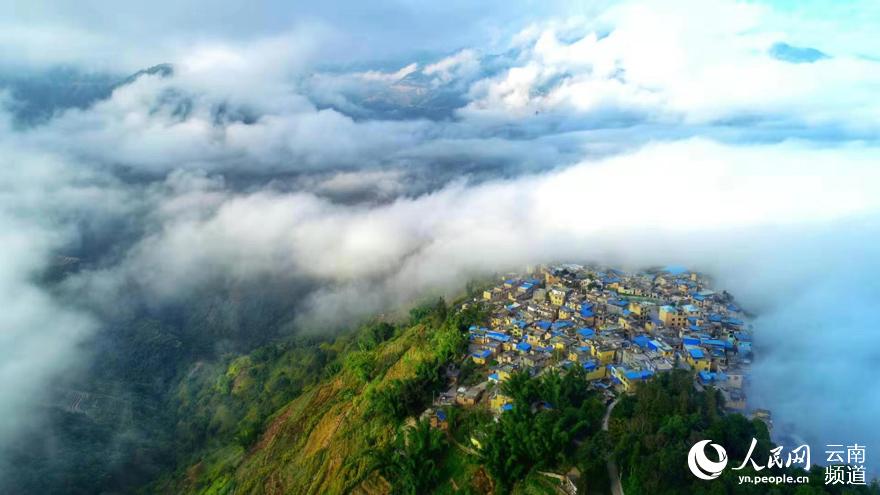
412,464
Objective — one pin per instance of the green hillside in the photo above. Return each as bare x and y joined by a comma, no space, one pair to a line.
341,417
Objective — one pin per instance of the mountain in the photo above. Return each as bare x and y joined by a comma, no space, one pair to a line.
37,96
361,428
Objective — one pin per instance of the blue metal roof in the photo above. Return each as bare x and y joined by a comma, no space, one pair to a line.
561,324
524,346
717,343
638,375
696,353
500,337
586,332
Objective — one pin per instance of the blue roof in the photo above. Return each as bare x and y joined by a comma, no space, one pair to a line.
543,324
706,376
690,341
561,324
494,376
717,343
639,375
507,407
742,336
500,337
589,365
524,346
643,342
696,353
732,321
441,415
732,307
715,318
483,354
586,332
675,269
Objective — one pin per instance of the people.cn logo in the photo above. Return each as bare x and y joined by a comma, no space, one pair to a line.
702,466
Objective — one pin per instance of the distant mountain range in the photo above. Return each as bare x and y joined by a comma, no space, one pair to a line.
38,96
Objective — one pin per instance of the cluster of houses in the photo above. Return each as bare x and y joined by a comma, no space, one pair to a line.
621,328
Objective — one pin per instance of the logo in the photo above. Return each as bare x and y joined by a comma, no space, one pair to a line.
702,466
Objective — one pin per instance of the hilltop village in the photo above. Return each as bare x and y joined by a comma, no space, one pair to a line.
621,328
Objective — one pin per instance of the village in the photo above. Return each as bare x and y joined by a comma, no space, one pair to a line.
621,328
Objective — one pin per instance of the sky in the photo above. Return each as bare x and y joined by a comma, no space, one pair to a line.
378,152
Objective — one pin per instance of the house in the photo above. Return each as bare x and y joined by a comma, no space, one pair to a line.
439,420
604,353
482,357
697,358
470,396
594,370
499,400
628,378
524,347
671,317
558,295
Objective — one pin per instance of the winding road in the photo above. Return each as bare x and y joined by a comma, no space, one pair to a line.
613,473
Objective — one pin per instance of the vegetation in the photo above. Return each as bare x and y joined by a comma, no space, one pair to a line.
548,414
334,415
653,430
412,464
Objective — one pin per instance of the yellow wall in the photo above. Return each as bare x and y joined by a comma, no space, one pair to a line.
499,400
